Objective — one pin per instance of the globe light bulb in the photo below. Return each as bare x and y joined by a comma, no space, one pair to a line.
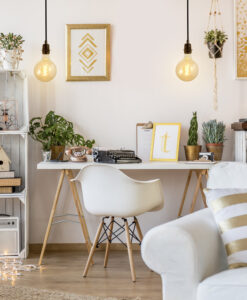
187,69
45,70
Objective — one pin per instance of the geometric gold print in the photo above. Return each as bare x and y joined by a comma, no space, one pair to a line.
164,139
87,53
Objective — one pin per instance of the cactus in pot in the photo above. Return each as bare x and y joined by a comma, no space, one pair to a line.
192,149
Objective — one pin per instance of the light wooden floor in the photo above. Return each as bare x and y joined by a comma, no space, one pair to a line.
63,271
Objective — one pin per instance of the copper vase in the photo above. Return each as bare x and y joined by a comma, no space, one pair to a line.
57,152
217,149
192,152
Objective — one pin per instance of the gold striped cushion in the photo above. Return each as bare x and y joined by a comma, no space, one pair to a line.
230,213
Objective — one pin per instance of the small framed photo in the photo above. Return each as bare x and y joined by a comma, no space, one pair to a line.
88,52
165,142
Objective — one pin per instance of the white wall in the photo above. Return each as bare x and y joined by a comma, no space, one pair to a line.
147,43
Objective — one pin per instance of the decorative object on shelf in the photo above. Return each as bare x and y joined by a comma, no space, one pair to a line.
10,50
88,52
54,133
165,142
4,160
214,137
215,38
187,69
240,32
240,137
45,70
8,115
192,149
206,156
77,154
46,155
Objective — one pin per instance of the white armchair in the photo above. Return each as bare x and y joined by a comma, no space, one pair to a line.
189,254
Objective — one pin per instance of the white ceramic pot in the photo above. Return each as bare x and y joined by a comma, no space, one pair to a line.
10,59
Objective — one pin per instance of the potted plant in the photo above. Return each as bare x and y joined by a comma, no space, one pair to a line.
215,39
192,149
54,133
214,137
11,50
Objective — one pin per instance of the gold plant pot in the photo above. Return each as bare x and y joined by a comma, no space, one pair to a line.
192,152
217,149
57,152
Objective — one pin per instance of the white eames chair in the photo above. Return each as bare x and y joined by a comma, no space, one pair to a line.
107,192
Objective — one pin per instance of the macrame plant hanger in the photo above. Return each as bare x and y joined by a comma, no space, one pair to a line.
214,21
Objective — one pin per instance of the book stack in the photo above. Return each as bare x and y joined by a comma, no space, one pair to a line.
8,181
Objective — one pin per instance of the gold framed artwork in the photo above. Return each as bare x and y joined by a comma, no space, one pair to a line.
88,52
165,142
240,39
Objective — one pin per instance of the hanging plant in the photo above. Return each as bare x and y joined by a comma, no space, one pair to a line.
215,39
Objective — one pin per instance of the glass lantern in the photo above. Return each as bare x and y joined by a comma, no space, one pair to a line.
8,115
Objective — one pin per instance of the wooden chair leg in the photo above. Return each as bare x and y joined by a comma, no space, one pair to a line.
90,257
185,193
196,192
138,228
129,245
108,243
54,206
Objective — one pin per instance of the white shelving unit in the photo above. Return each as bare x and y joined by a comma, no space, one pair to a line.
13,87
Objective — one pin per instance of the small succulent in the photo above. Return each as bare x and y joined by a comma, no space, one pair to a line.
213,132
215,36
11,41
193,135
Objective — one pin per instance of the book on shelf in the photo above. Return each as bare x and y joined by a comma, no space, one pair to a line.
6,190
8,182
7,174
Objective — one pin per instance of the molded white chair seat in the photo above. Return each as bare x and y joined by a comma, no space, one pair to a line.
110,193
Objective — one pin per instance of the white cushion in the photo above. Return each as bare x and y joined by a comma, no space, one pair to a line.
229,207
227,285
228,175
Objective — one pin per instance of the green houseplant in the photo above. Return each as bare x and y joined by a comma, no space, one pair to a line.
192,149
215,39
11,50
54,133
214,137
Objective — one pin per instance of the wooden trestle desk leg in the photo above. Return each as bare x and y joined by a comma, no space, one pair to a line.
54,206
78,206
199,174
185,193
108,242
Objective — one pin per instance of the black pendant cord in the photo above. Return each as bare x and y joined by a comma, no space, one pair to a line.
188,23
187,45
46,46
45,21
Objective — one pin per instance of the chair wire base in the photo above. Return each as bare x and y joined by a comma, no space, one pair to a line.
112,235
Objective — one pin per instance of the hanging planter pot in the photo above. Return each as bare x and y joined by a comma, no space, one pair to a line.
215,49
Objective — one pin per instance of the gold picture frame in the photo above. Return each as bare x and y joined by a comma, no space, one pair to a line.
165,142
91,62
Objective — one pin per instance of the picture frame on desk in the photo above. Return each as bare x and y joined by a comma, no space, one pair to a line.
165,142
88,52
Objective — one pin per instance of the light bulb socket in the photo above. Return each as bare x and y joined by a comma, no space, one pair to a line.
187,48
46,48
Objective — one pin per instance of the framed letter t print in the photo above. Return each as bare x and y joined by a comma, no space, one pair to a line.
88,52
165,141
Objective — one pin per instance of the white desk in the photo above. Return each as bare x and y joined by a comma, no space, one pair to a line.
66,168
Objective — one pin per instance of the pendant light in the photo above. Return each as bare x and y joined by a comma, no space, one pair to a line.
45,70
187,69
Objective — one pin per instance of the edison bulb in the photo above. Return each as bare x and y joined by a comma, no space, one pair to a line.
187,69
45,70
